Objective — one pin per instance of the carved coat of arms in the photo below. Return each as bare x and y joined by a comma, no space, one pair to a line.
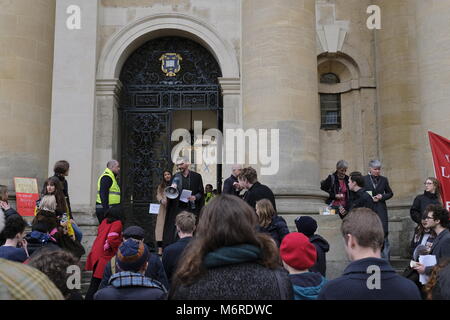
170,64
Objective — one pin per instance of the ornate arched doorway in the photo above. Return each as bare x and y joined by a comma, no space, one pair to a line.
168,83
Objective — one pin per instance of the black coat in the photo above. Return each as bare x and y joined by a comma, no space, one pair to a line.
352,285
277,229
383,188
172,254
175,206
359,199
420,203
228,186
155,270
322,247
194,182
331,186
257,192
440,248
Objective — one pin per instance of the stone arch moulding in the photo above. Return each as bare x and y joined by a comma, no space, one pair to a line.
357,65
354,56
129,38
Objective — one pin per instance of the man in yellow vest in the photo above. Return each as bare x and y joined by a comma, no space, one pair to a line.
108,190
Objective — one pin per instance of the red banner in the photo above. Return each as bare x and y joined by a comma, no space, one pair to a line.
26,195
440,149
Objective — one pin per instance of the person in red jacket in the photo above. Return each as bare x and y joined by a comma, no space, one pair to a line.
109,238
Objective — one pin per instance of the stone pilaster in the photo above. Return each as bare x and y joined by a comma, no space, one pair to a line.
107,137
279,82
232,116
26,63
73,104
433,49
399,102
399,115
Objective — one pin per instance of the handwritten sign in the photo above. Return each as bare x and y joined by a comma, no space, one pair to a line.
26,195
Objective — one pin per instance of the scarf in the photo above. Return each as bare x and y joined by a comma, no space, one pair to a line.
133,279
232,255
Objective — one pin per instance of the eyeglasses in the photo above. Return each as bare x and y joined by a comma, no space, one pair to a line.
425,183
427,218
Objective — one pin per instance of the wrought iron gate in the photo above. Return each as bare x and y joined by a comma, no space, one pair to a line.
150,95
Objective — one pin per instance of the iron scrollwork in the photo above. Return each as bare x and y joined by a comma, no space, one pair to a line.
148,98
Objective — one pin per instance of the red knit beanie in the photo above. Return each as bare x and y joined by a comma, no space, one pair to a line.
297,251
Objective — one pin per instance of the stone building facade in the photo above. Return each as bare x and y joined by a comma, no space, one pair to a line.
60,90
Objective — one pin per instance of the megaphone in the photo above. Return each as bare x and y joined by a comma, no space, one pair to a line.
171,192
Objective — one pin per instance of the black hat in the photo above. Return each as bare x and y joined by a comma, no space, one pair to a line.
306,225
134,232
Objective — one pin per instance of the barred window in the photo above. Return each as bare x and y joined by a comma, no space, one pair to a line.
330,105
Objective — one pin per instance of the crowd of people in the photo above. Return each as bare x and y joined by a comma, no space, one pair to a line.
218,247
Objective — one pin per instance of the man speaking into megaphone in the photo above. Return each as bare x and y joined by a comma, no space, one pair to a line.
185,194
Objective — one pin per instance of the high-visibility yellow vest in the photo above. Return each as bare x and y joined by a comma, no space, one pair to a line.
114,190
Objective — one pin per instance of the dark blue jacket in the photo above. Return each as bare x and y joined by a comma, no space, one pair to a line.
440,248
322,247
277,229
9,213
352,285
155,271
172,254
228,186
307,285
131,286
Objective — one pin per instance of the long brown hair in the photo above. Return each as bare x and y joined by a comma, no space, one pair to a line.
226,221
434,278
265,212
3,191
61,204
163,183
437,187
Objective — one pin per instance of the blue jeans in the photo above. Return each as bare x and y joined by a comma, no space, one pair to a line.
386,252
78,233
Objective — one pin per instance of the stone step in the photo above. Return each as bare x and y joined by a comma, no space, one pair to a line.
399,264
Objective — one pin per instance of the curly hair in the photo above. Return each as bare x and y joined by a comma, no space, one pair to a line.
55,264
248,174
14,225
439,213
434,278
